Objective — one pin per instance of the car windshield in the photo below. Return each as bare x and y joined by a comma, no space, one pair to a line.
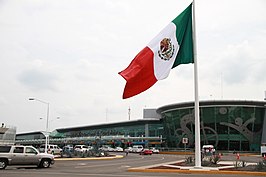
4,149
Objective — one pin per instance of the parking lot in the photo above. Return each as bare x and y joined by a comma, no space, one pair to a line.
99,168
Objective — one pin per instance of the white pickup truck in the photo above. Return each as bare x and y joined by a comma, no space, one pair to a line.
23,155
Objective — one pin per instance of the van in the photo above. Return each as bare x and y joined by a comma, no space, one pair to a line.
208,150
137,148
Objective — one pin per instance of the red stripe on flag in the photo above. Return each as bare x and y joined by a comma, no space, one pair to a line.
139,74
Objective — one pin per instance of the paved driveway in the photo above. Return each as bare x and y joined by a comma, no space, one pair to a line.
100,168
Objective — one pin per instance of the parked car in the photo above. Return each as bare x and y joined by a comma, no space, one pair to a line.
107,148
81,148
90,147
51,149
23,155
146,152
154,150
118,149
68,149
137,148
128,149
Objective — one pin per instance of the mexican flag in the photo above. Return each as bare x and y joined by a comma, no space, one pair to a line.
171,47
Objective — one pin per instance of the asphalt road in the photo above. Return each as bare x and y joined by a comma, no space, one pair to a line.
100,168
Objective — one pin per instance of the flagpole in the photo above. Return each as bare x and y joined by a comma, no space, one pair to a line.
197,117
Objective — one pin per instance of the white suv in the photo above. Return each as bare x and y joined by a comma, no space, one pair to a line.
81,148
51,149
137,148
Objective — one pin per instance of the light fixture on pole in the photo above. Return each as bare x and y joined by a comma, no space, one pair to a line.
47,121
49,126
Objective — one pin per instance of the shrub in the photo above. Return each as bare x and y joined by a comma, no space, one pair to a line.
189,160
261,166
215,159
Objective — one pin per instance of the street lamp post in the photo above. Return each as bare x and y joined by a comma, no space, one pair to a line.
47,121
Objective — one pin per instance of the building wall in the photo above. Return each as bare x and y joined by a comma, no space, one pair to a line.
263,138
133,131
8,137
227,127
124,130
30,136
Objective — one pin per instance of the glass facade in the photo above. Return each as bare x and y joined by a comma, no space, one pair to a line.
154,129
227,127
134,131
118,134
30,136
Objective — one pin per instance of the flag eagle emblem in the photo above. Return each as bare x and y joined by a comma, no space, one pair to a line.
166,50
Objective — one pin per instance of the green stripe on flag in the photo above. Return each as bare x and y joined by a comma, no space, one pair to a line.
183,24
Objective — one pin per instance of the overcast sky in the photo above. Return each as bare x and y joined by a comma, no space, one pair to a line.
69,52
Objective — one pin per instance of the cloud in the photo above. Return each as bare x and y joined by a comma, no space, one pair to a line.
235,63
69,54
38,80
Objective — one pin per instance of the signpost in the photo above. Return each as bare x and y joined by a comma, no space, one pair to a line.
185,141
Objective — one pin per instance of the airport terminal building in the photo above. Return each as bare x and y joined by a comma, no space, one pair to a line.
7,134
227,124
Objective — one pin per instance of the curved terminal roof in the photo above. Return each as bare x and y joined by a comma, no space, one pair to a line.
110,125
211,103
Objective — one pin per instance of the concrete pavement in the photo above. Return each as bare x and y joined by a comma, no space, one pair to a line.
226,166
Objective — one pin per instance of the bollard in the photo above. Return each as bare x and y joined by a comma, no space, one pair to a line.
220,155
237,156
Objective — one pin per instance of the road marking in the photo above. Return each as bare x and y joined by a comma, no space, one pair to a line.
113,164
82,164
125,166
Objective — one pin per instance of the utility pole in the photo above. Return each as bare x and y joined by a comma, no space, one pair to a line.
128,113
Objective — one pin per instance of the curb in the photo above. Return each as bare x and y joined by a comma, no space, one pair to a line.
192,153
197,171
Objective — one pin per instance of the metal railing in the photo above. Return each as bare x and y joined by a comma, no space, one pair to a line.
94,138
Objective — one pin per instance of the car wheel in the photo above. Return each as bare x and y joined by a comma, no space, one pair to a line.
3,164
45,163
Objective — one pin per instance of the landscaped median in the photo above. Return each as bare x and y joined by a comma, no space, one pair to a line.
197,171
225,167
